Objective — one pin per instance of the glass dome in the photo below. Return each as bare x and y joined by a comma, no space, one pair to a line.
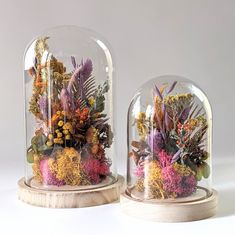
70,144
169,142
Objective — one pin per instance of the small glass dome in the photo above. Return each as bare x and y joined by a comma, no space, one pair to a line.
70,144
169,142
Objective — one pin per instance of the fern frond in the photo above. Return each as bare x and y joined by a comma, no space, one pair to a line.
89,87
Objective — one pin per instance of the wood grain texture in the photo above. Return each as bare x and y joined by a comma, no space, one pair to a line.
170,212
70,199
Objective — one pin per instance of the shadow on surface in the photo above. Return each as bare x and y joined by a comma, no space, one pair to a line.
226,205
224,179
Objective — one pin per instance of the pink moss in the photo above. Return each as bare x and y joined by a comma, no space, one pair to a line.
164,159
173,182
104,168
48,177
139,171
189,185
94,169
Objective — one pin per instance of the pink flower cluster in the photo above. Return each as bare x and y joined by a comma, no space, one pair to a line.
94,169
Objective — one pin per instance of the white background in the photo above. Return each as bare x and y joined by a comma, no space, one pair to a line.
192,38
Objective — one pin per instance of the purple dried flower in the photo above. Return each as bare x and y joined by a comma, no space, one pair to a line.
65,99
85,73
43,105
74,79
80,76
176,156
155,141
184,114
86,69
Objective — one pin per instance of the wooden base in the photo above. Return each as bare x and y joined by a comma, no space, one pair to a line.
70,199
170,211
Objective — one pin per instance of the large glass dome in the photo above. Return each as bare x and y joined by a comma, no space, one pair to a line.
169,142
70,140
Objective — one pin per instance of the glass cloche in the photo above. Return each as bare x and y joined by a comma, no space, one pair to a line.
70,144
169,142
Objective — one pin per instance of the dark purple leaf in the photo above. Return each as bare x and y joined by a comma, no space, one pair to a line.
172,87
158,92
155,140
74,62
184,114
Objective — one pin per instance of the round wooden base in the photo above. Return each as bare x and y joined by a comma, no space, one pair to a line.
170,212
70,199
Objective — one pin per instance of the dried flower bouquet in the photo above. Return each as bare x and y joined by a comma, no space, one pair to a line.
72,134
169,155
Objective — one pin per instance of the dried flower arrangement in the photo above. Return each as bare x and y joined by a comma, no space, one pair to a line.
72,132
169,156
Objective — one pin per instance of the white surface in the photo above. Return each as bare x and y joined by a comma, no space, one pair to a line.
19,218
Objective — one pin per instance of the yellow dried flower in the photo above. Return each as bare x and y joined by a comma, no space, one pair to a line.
178,99
68,126
92,135
59,134
91,101
58,141
50,136
183,170
68,137
60,123
193,122
154,180
141,125
202,119
158,107
49,143
65,132
41,46
36,168
66,166
140,185
55,65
